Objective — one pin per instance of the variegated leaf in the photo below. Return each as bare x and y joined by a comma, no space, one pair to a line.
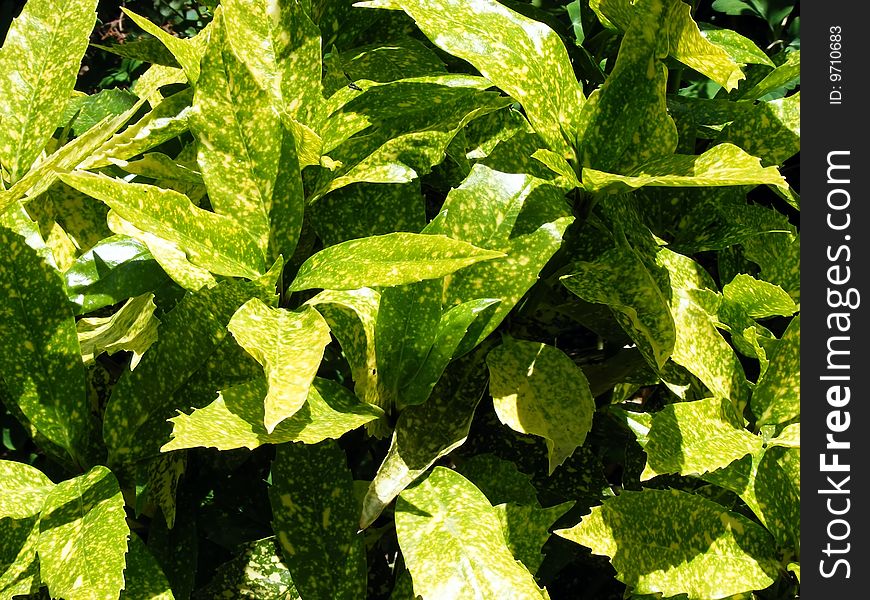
24,490
212,241
83,524
133,328
314,519
776,398
537,389
522,56
387,260
39,62
289,345
143,577
257,573
670,541
235,419
452,541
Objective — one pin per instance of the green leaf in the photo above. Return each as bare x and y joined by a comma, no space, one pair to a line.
769,130
537,389
239,138
692,438
500,480
778,493
83,112
387,260
778,255
116,268
670,541
167,120
172,259
146,48
784,75
187,52
621,280
722,165
24,490
526,529
135,425
351,316
19,566
452,542
39,61
212,241
406,327
83,524
426,432
517,214
143,576
449,337
235,419
522,56
133,328
776,398
625,122
700,348
740,48
40,358
289,345
759,299
314,518
257,573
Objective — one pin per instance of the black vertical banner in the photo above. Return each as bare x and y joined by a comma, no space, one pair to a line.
835,263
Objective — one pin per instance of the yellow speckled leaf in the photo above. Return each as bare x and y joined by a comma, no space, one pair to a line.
39,62
133,328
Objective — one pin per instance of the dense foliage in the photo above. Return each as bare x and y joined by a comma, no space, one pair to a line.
403,298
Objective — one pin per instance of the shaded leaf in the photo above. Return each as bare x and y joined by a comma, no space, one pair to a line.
776,398
426,432
522,56
289,345
116,268
82,525
40,60
784,75
692,438
500,480
387,260
314,518
537,389
769,130
526,529
40,358
670,541
143,577
257,573
452,542
83,112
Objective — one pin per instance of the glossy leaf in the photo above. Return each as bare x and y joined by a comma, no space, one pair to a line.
82,525
239,138
452,542
692,438
19,566
740,48
24,490
212,241
776,398
522,56
83,112
778,255
517,214
133,328
526,529
134,425
289,345
257,573
387,260
759,299
39,62
769,130
784,75
143,577
621,280
537,389
500,480
625,122
116,268
670,541
235,419
40,359
314,518
724,164
425,433
187,52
